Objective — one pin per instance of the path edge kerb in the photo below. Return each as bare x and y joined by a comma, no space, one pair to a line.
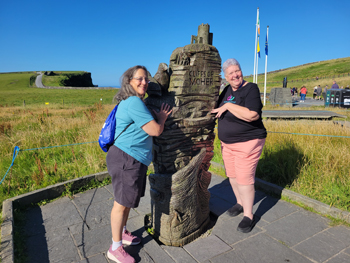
55,191
318,206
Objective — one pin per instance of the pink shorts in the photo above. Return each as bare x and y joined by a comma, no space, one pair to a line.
241,159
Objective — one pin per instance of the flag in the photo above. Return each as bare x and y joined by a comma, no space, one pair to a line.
258,25
258,49
266,46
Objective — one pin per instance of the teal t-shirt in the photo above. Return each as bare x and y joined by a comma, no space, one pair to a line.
134,140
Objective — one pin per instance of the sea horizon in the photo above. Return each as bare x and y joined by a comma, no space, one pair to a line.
109,86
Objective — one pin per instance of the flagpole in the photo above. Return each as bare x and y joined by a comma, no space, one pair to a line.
256,37
266,51
257,64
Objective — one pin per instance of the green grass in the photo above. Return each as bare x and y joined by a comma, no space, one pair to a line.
306,74
14,89
56,79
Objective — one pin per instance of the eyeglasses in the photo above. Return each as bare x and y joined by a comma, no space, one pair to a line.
140,79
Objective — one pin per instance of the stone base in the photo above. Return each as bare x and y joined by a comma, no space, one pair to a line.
187,239
281,96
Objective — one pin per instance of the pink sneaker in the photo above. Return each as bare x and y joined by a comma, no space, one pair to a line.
120,255
129,239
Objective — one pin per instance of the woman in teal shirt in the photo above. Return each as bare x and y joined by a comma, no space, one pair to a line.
129,157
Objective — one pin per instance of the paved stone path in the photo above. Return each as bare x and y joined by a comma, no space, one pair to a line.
38,81
78,230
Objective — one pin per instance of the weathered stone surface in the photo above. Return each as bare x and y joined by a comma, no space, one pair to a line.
203,35
182,154
162,77
180,203
281,96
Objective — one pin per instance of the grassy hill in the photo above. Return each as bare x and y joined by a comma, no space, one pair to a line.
326,71
67,78
16,88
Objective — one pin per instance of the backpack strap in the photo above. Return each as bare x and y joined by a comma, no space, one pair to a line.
122,132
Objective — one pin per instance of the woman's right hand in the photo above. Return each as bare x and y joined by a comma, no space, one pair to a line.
163,114
219,111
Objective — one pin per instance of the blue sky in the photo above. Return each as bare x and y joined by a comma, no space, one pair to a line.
106,37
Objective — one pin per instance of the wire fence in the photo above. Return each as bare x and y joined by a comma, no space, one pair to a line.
16,149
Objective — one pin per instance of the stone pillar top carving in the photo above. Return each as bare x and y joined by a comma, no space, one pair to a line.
203,36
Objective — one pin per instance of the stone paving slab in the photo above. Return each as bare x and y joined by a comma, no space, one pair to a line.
53,216
78,230
325,244
205,248
297,227
101,258
96,214
272,209
265,249
226,229
218,206
178,254
54,246
93,242
340,258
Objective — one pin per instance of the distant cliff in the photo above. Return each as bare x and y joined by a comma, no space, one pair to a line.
68,79
77,80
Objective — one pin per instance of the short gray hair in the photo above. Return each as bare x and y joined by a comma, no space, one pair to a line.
230,62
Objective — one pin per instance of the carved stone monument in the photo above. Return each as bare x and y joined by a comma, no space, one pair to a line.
182,154
281,96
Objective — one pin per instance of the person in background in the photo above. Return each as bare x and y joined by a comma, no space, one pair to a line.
335,85
347,87
319,92
303,92
325,92
129,157
242,135
314,94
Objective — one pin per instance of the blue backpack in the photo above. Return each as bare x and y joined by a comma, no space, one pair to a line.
106,138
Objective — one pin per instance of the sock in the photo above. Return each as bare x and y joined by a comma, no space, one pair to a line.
115,245
124,228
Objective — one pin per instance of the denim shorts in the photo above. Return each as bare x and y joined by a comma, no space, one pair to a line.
128,177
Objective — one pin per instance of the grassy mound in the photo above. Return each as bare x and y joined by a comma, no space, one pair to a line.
15,88
305,75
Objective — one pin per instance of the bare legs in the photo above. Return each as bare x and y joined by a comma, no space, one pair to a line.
119,217
245,196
